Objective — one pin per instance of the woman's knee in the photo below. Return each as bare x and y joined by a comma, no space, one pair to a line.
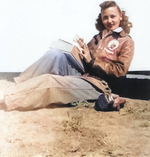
54,52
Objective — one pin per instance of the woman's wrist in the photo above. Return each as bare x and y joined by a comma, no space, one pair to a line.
88,59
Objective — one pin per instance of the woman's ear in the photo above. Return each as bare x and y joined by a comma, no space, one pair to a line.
120,17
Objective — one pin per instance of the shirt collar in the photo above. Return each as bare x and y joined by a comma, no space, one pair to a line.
117,30
121,31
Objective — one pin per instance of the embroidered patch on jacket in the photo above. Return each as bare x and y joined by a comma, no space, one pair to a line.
111,52
113,44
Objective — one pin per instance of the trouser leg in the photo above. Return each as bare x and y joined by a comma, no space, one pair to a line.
46,89
52,62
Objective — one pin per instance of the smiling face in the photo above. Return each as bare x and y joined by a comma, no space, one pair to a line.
111,18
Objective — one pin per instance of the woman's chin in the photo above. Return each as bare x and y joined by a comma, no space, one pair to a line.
111,28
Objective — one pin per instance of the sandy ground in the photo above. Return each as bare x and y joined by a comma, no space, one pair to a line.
76,131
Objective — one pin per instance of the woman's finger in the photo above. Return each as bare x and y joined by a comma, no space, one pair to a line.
81,53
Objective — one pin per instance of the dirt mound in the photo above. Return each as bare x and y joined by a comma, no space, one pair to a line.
63,131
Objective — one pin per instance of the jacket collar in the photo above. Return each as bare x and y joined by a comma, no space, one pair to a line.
119,30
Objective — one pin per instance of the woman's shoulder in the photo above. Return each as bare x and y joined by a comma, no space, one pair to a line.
97,37
126,36
129,39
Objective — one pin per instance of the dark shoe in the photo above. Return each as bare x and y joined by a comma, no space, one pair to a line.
102,105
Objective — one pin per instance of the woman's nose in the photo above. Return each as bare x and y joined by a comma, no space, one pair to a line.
109,20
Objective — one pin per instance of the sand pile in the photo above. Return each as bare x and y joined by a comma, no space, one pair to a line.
76,131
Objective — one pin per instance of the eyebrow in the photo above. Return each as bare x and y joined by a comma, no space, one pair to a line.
107,15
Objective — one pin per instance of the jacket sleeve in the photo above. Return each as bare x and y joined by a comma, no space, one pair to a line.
117,68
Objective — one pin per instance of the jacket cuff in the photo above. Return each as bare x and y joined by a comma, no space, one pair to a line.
88,66
94,70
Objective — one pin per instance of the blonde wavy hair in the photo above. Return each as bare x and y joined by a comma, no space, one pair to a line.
124,23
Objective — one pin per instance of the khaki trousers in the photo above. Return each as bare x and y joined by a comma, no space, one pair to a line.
46,89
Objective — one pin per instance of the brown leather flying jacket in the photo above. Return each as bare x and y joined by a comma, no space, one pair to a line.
112,52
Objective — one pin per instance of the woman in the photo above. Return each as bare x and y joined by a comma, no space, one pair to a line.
108,54
112,49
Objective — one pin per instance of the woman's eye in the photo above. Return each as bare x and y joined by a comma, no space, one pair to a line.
113,16
105,17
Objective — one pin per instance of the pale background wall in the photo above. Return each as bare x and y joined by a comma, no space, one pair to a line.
27,28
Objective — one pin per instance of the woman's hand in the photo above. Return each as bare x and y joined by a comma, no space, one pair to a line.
83,50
